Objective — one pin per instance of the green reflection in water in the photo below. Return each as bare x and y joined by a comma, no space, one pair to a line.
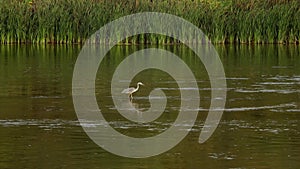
259,129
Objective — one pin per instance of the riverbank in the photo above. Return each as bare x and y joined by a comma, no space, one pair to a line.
226,21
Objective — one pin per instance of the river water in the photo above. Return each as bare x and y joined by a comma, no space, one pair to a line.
259,128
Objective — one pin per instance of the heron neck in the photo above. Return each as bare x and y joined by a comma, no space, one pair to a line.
137,87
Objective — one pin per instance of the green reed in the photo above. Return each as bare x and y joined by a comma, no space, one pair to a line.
223,21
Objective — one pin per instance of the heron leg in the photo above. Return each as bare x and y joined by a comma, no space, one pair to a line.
131,97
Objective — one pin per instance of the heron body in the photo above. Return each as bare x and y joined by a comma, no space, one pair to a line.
132,90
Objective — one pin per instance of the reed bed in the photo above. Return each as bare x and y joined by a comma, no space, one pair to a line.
223,21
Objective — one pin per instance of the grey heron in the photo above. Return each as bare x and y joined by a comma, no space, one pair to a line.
131,90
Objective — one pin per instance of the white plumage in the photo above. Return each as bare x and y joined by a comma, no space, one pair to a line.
131,90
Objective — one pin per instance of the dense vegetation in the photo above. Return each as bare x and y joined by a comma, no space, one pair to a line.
223,21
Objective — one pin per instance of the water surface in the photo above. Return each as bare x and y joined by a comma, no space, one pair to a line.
259,127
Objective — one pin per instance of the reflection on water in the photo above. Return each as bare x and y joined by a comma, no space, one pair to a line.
259,127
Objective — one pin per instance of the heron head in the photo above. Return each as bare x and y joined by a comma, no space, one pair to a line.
140,83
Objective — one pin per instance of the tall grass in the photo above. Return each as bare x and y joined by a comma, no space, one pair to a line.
223,21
